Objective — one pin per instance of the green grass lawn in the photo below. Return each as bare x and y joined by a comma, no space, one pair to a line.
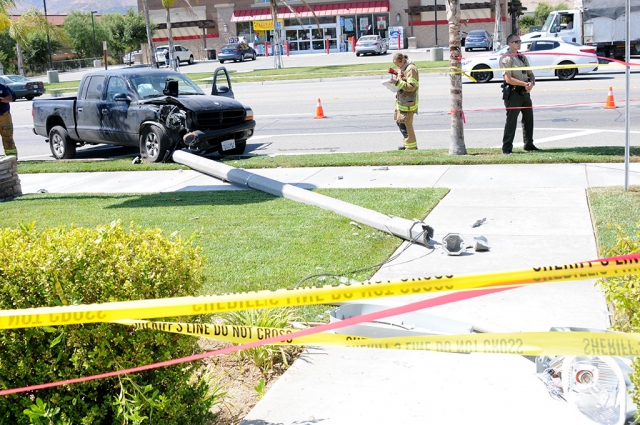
251,240
613,206
593,154
296,73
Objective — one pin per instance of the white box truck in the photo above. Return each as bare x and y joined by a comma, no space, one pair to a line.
599,23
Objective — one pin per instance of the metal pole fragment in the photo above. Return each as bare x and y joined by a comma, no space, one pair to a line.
411,230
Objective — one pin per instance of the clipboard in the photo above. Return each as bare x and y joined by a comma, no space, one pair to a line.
391,86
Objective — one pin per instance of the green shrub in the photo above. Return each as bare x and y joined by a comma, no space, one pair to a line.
623,292
61,265
266,357
623,296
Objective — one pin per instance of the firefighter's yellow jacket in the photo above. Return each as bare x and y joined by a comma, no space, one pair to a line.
407,96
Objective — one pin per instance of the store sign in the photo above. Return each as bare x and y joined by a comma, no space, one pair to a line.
266,25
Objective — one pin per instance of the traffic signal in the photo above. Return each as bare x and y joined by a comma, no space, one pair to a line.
515,8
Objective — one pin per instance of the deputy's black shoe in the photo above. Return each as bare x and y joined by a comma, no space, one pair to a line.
531,148
402,148
506,152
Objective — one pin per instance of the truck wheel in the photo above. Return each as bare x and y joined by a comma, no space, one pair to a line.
566,73
154,144
62,147
241,145
191,60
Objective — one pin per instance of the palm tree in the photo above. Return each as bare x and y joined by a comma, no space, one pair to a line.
273,7
167,4
5,20
152,56
456,144
32,21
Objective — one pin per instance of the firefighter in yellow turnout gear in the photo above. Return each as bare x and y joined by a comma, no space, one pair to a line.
406,99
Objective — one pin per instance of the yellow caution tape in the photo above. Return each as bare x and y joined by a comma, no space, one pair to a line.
188,306
520,343
240,334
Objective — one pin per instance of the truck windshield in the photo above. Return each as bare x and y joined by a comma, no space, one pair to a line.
152,85
550,25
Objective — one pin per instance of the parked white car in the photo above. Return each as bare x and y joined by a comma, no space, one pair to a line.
555,55
182,53
130,58
373,44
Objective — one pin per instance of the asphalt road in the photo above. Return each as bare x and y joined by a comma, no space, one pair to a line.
358,111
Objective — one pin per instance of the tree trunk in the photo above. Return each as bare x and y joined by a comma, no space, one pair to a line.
20,59
172,54
456,144
277,57
152,52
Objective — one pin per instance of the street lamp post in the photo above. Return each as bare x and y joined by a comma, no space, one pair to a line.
48,39
95,49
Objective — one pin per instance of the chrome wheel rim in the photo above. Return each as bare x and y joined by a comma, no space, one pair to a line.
152,145
58,145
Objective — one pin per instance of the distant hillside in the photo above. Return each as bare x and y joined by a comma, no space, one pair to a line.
532,4
63,7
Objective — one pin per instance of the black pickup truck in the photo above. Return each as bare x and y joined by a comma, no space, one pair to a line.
157,110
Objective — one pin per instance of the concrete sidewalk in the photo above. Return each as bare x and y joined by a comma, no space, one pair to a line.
536,215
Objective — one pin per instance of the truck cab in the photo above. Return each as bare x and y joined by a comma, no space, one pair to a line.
565,24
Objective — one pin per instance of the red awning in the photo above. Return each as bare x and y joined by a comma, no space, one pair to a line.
319,10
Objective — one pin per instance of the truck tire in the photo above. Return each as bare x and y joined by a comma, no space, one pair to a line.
241,146
191,60
566,73
62,147
154,144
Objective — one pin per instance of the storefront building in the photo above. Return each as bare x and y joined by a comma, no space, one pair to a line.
304,33
213,24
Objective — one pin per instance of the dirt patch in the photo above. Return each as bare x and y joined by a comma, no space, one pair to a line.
236,380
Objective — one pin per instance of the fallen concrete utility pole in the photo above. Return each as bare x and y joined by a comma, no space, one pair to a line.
414,230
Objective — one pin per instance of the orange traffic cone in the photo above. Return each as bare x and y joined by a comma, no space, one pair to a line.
611,104
319,111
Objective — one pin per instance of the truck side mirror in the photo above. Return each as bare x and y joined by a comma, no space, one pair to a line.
171,88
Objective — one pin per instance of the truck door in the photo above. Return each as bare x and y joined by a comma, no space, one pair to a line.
219,88
117,117
88,118
568,31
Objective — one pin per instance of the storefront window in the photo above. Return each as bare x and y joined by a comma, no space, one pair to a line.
381,25
243,29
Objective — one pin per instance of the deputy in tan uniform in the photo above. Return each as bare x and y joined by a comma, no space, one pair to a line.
517,85
406,99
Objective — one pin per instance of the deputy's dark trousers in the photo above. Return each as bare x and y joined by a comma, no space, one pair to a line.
518,102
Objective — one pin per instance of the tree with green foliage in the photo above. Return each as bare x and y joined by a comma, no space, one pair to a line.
135,30
7,53
561,6
79,27
526,22
542,12
31,23
37,49
114,26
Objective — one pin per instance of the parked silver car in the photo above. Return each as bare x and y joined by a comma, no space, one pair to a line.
373,44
